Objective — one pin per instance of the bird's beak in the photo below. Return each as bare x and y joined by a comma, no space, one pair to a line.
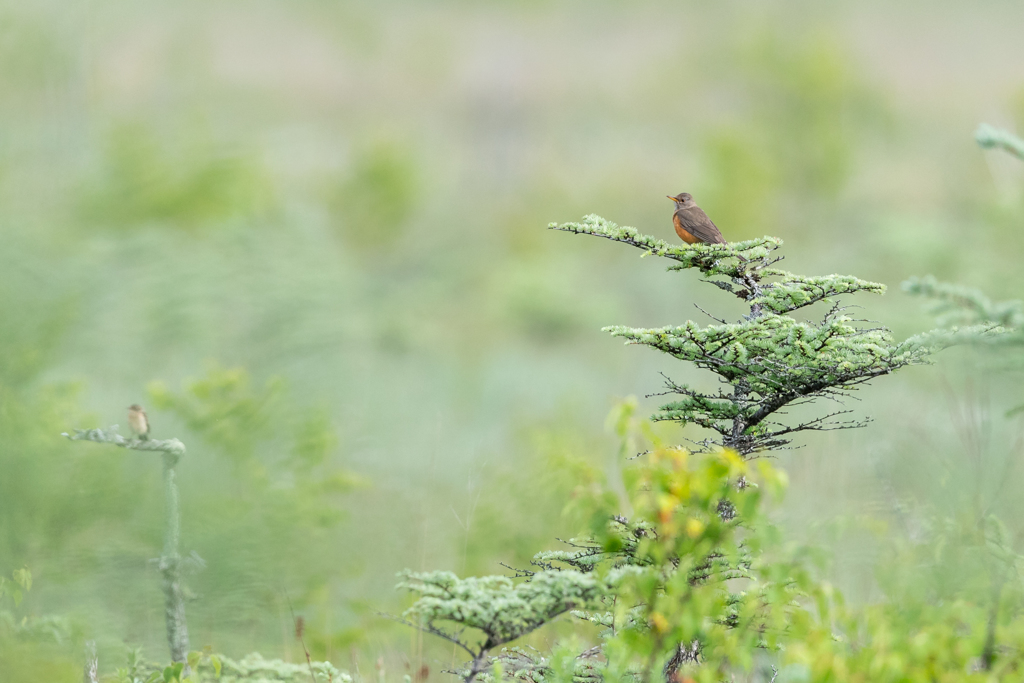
671,197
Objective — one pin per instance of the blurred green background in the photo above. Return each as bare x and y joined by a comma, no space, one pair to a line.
310,238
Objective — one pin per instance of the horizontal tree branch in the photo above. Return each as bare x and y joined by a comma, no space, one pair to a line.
111,436
990,137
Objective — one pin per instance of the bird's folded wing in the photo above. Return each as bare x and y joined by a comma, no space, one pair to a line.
697,223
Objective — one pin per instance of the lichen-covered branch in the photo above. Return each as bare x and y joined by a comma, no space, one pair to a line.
496,607
110,435
990,137
778,360
690,549
91,670
769,358
732,260
959,305
171,451
170,569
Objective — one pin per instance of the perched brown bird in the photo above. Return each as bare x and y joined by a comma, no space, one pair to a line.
138,421
692,224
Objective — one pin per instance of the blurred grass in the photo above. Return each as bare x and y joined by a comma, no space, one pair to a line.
337,212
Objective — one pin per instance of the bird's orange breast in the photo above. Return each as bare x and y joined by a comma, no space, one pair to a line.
681,231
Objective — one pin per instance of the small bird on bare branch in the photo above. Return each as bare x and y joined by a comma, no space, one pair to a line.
138,421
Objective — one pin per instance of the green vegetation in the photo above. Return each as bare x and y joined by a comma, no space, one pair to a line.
308,238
